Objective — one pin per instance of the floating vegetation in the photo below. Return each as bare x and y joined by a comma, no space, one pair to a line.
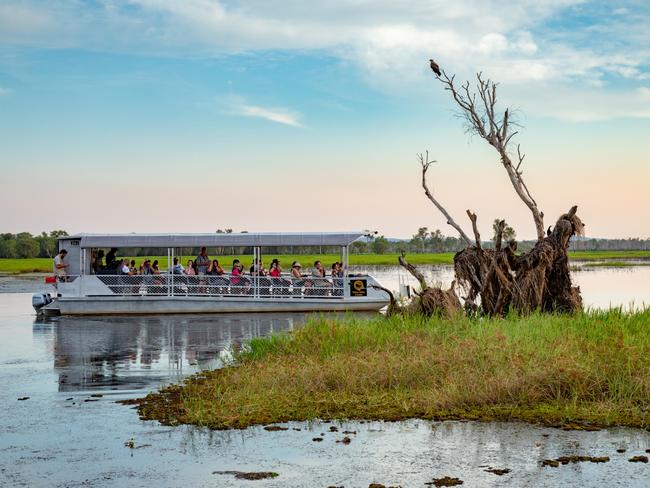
638,459
252,475
554,463
445,481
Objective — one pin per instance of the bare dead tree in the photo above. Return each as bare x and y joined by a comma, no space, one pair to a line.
479,110
535,280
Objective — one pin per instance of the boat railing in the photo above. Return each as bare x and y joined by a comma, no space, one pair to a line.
167,284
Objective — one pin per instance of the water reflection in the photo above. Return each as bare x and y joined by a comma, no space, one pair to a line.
130,353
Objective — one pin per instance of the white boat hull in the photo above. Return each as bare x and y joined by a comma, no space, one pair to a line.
179,305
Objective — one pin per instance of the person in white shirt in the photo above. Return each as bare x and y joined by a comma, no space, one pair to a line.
60,266
124,267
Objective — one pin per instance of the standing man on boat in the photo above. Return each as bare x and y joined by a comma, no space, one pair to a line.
60,266
202,262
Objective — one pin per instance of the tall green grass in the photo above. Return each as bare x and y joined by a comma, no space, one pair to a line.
591,368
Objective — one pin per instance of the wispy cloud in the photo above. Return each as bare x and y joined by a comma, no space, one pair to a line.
280,115
529,44
4,91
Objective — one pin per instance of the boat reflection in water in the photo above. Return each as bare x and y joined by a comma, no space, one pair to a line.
145,352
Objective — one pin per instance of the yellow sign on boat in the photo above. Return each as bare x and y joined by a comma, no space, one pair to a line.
358,288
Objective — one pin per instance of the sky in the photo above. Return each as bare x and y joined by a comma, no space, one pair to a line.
262,115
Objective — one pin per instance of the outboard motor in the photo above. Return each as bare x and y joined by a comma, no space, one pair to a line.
39,300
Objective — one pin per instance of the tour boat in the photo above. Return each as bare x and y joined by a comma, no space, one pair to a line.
86,290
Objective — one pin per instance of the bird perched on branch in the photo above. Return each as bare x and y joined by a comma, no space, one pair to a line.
434,67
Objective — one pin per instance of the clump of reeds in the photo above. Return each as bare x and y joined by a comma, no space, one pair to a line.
591,368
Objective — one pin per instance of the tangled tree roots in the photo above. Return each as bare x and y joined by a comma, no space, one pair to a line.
502,280
429,301
536,280
435,301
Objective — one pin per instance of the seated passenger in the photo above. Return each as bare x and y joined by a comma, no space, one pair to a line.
276,270
98,265
178,267
295,270
146,267
257,269
218,285
132,268
336,279
299,279
215,268
111,260
318,270
280,285
124,267
240,284
236,270
155,268
320,281
189,271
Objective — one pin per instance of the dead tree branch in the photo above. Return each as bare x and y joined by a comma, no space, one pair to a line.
479,109
499,237
393,306
424,161
413,270
477,236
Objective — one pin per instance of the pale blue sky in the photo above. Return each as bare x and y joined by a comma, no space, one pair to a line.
158,115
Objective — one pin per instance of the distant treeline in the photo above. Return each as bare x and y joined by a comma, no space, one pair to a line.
26,245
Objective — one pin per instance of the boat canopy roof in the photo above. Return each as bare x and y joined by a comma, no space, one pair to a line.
215,240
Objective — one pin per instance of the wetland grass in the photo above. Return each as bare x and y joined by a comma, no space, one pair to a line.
44,265
581,371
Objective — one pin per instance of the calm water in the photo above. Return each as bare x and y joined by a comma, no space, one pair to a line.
628,287
57,438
